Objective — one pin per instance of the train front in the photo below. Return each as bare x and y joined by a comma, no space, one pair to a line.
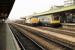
34,21
55,22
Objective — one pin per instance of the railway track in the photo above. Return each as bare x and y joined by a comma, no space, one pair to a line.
64,30
24,42
69,28
58,43
62,39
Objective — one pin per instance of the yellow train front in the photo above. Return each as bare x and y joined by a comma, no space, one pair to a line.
33,21
55,23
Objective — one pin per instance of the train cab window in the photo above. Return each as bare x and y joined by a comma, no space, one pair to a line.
73,18
56,18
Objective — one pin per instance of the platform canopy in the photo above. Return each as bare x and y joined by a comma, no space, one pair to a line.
62,9
5,8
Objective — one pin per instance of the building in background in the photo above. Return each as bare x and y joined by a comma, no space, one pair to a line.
69,2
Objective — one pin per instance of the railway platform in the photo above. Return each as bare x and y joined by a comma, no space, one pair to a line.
7,40
72,25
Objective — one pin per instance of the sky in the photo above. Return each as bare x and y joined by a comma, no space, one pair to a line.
22,8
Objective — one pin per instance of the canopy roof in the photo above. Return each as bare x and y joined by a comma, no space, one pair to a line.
5,8
62,9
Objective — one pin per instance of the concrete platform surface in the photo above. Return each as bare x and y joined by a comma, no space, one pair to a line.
71,24
6,38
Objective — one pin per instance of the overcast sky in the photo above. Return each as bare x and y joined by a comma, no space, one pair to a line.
23,8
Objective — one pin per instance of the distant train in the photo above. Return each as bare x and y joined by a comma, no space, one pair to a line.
34,21
44,20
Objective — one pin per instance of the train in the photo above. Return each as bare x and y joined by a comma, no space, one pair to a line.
33,21
44,20
50,20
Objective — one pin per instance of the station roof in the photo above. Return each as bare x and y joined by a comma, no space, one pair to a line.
5,8
62,9
56,10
